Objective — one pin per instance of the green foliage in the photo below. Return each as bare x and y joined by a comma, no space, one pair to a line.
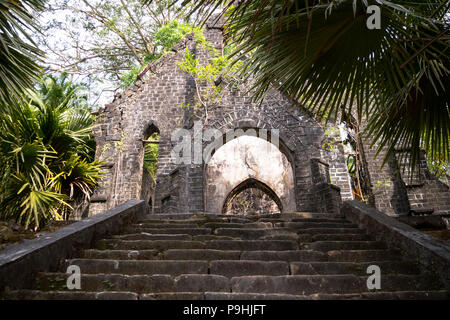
130,77
322,52
208,77
151,156
163,40
45,154
439,168
167,36
18,52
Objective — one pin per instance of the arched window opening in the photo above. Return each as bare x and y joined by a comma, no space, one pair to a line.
150,166
252,197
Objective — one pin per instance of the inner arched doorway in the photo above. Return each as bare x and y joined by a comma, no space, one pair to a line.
252,197
245,163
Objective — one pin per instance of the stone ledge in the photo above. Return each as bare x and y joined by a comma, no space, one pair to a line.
18,263
431,253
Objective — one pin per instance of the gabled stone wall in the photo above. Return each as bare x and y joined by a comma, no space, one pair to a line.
156,101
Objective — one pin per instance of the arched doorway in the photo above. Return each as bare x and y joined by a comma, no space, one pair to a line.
249,163
252,197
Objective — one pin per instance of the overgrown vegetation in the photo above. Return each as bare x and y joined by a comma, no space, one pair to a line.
46,154
151,156
210,77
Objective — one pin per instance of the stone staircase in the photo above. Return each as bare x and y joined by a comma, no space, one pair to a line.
287,256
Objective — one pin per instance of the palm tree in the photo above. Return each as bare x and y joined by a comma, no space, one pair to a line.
18,52
45,155
322,54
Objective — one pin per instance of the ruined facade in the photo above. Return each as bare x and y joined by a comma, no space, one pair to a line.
313,178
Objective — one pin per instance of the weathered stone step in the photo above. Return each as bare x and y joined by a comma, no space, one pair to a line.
315,231
252,296
173,221
159,245
308,225
121,254
173,296
395,295
363,255
148,236
69,295
244,245
166,225
288,255
320,220
250,267
401,282
297,285
136,267
208,237
297,215
251,225
386,267
340,237
189,231
344,245
201,254
136,283
252,233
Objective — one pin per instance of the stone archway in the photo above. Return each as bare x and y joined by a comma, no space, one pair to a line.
261,200
249,158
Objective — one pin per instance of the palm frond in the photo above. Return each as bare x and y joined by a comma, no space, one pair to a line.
18,52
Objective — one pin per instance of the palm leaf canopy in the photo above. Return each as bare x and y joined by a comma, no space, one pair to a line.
18,52
322,54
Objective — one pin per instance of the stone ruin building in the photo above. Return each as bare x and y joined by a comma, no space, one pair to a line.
298,173
176,236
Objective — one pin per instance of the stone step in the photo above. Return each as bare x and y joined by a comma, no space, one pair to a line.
189,231
315,231
363,255
121,254
136,283
297,285
173,296
252,296
288,234
148,236
251,225
308,225
403,282
287,255
201,254
243,245
137,267
386,268
160,245
252,234
340,237
69,295
166,225
344,245
183,216
292,236
320,220
208,237
299,215
231,269
395,295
